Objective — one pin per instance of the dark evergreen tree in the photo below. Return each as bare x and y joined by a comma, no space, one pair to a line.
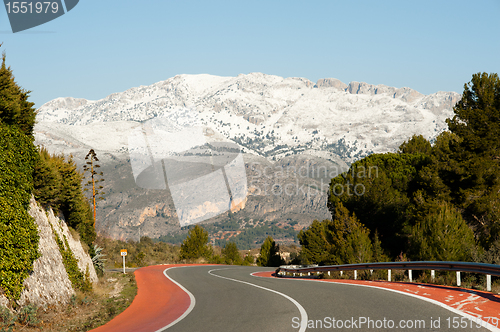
58,186
354,246
315,243
47,180
442,235
73,204
343,240
477,117
378,190
15,109
475,178
18,231
417,144
433,179
378,252
270,254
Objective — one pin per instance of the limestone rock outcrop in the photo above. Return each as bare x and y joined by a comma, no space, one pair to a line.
49,283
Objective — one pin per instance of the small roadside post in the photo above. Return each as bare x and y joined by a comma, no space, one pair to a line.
123,252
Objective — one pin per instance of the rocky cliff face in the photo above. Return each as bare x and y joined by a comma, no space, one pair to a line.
276,122
49,283
293,188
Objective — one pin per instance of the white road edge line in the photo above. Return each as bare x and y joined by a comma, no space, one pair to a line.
484,324
303,313
191,297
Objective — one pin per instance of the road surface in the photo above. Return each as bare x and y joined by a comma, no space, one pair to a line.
228,298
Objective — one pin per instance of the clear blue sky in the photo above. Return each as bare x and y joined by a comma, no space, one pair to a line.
107,46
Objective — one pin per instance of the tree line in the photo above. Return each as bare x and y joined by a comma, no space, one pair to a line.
25,170
438,201
196,248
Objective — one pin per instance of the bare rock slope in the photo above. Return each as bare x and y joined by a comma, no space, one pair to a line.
49,283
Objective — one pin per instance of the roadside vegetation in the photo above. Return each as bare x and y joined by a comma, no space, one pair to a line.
86,310
55,183
248,237
18,156
142,253
436,201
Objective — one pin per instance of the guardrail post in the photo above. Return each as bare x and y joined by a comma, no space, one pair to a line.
476,268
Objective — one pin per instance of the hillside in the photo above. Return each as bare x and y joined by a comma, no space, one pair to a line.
278,123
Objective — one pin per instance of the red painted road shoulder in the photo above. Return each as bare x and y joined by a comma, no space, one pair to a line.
483,305
158,303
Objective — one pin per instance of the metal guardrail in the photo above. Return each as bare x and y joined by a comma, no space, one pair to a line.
488,269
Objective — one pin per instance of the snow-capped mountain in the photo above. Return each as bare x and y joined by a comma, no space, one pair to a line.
278,123
266,115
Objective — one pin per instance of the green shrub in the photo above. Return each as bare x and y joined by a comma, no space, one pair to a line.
195,245
7,319
28,315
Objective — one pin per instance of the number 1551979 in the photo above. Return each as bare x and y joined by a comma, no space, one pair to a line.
30,7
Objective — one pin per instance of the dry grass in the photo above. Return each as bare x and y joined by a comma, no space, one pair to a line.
111,295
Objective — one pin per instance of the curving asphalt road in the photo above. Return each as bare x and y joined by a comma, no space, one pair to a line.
228,298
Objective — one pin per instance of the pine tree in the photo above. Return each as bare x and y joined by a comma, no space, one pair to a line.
342,240
354,244
378,190
47,180
196,244
474,180
417,144
231,254
314,242
73,203
378,252
269,254
442,235
477,116
15,109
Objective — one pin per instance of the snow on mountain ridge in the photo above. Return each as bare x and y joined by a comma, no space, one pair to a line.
274,116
